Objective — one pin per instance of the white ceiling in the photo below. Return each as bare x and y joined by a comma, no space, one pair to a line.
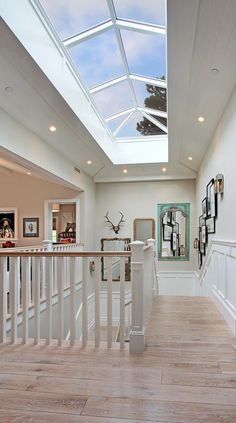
201,36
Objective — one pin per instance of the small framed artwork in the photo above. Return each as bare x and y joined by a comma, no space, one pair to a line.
201,221
211,199
210,225
202,245
204,234
8,223
199,260
204,207
167,232
31,227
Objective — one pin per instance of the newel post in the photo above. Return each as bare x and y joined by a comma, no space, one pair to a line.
137,342
151,243
48,244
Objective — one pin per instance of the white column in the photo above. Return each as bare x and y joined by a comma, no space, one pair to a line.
137,341
151,242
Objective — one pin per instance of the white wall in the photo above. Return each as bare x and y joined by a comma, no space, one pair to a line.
220,158
139,200
28,194
218,274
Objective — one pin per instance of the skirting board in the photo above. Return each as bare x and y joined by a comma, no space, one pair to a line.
228,314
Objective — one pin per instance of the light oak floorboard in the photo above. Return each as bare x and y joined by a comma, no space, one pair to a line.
186,375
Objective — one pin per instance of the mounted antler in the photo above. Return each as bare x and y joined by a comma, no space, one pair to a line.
115,228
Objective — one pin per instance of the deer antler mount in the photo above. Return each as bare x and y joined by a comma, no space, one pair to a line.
117,227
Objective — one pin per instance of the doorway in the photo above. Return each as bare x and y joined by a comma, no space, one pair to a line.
62,220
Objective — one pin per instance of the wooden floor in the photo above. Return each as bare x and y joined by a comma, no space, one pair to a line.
186,375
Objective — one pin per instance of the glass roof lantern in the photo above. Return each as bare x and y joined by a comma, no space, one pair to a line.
119,52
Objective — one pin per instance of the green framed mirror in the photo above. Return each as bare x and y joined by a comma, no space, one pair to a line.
173,231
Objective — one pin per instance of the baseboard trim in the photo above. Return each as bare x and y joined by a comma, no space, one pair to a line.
227,312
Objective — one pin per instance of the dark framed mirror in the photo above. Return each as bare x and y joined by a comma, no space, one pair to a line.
115,244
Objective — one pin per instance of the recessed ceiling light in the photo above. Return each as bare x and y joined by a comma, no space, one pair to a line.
215,71
89,162
8,90
125,171
190,158
28,173
52,128
164,169
200,118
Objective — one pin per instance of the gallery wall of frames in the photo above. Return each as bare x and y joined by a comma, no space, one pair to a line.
208,218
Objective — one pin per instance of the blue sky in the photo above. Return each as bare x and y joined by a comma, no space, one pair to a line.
98,59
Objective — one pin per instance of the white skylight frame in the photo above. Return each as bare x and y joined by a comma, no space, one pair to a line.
117,24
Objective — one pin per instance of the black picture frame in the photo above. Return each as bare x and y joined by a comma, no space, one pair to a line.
211,199
30,227
167,232
210,225
204,234
201,221
8,224
204,207
199,260
202,244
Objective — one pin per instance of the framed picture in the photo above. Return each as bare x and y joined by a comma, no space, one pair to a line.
8,223
31,227
202,245
167,232
204,207
211,199
210,225
199,260
204,234
201,221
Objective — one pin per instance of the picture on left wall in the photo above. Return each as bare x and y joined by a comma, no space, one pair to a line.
31,227
8,223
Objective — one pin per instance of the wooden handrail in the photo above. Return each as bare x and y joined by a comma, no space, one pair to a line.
65,254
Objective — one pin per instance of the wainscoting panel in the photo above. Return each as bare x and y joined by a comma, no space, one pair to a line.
218,279
177,283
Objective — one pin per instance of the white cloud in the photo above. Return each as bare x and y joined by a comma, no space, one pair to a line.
151,11
73,16
114,99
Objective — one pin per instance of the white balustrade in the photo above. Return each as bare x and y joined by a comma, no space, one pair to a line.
52,284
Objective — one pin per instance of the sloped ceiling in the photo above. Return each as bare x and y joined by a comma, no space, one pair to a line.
201,37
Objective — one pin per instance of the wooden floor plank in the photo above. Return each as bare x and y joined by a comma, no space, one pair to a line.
8,416
186,375
158,411
177,377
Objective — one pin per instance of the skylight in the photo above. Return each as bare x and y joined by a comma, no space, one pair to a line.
119,51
